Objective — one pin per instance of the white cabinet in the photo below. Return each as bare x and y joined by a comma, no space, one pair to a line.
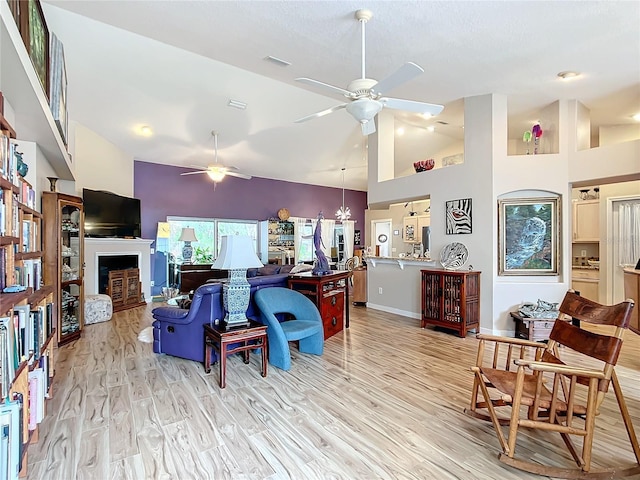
412,227
586,221
587,282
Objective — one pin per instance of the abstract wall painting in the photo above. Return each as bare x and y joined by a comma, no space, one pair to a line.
458,214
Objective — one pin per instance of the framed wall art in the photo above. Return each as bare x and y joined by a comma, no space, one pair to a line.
58,87
458,214
528,236
35,36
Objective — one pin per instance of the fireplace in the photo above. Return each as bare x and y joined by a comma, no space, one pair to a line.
107,263
108,249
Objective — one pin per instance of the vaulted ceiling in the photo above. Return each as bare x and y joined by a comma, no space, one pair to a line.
174,65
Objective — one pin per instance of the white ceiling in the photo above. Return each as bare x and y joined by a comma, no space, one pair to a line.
173,65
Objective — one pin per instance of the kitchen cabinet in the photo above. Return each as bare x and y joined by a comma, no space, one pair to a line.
412,227
360,285
587,282
586,221
632,291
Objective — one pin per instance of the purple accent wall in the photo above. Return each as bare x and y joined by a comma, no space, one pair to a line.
164,192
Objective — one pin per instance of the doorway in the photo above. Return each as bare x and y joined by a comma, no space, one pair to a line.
381,237
625,250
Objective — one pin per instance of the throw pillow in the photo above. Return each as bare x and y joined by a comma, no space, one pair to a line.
301,267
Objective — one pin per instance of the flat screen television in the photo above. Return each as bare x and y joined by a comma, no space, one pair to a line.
108,214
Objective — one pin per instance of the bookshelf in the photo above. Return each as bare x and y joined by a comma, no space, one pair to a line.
27,316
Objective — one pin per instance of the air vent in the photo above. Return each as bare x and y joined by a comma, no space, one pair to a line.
277,61
442,123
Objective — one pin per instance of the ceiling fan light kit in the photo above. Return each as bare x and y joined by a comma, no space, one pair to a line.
217,171
365,94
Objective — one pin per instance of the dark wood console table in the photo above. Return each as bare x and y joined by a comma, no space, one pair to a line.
330,293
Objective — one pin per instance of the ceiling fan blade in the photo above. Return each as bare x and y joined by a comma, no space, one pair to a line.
239,175
324,86
411,106
405,73
368,127
194,173
198,167
321,114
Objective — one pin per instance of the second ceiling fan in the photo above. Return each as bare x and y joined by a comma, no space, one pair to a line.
217,171
365,94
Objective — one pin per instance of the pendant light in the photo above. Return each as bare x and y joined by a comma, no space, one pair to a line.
343,212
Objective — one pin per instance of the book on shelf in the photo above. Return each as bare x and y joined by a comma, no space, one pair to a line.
15,217
11,437
3,267
3,213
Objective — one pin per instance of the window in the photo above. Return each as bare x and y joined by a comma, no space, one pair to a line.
306,243
208,232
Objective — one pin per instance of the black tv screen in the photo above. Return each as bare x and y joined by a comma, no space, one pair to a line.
107,214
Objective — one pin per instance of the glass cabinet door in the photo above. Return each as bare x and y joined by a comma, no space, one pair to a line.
71,272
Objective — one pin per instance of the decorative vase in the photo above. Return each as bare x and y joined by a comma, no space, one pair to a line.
22,167
424,165
52,183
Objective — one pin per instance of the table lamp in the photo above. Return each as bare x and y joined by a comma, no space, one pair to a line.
187,236
237,254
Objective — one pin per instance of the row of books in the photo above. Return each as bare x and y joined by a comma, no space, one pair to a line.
29,238
29,274
8,159
22,336
27,195
14,228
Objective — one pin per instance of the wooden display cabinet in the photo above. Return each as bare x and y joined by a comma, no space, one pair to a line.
451,299
330,293
64,260
124,289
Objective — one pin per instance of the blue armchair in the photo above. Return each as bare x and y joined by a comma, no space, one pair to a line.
306,326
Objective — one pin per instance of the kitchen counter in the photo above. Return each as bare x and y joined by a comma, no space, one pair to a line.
401,261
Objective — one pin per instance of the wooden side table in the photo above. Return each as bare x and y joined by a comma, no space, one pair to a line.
221,339
536,329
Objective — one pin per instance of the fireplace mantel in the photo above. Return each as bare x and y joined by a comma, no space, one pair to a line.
96,247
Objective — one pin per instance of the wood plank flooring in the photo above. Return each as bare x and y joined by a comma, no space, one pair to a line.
385,401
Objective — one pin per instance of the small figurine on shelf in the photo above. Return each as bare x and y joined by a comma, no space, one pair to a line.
536,132
526,138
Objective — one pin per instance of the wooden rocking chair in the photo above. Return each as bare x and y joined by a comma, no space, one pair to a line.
570,405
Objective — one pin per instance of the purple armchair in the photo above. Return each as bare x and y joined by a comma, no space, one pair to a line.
180,332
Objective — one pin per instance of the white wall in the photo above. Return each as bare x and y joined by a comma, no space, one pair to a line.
618,134
100,165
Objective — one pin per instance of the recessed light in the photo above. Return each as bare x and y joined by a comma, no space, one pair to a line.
426,115
146,131
636,117
237,104
568,74
400,131
431,129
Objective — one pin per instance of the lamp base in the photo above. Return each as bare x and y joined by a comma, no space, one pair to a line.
187,252
235,297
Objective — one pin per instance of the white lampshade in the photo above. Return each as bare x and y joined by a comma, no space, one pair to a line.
188,234
236,253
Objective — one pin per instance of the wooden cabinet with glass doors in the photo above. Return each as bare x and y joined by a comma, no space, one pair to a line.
64,260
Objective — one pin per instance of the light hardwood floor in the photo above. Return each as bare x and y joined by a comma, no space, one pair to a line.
385,401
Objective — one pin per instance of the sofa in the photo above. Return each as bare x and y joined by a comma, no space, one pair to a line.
180,332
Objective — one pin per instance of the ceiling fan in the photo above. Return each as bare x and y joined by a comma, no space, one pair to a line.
365,94
217,171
